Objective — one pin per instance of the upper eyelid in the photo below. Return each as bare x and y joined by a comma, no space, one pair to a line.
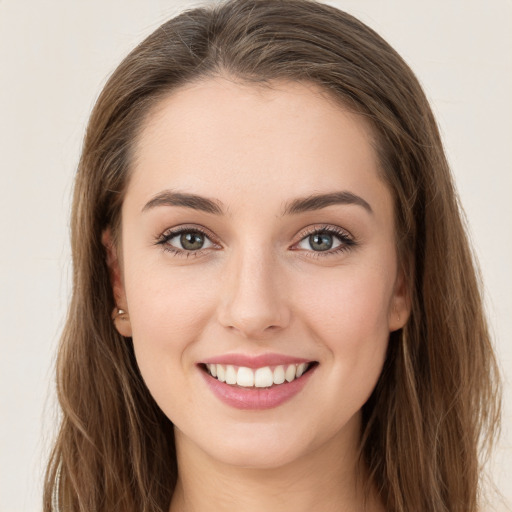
319,228
172,232
308,230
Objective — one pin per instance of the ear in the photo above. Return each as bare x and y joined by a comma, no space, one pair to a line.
120,315
400,305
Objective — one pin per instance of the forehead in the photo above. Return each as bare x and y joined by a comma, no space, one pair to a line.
233,139
243,109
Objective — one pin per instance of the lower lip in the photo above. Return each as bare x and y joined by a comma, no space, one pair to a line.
256,398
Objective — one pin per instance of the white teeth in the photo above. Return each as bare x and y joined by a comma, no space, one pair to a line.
245,377
290,372
300,369
261,377
279,375
230,375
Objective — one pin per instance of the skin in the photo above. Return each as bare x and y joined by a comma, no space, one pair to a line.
259,286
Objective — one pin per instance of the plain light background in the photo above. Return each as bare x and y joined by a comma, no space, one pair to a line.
54,58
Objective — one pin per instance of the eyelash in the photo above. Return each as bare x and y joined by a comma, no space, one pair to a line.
347,242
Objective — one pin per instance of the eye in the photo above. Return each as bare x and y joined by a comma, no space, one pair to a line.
185,241
191,240
320,242
326,239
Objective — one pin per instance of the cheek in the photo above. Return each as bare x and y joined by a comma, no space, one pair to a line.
348,316
350,321
168,311
348,306
166,304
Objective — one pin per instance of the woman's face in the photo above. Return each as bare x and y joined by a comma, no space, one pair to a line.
257,235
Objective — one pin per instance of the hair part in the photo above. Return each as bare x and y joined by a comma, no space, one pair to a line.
437,400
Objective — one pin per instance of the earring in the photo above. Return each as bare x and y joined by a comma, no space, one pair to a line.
119,314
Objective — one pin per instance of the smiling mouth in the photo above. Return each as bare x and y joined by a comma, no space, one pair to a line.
264,377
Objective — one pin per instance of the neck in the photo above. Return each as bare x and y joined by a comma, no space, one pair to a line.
320,480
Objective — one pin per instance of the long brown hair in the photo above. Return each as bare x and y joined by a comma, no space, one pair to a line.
436,405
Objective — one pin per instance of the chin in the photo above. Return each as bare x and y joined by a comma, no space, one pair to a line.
255,456
263,445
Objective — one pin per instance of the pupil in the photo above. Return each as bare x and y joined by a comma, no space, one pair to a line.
321,241
192,241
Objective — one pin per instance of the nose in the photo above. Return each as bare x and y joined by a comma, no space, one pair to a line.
253,301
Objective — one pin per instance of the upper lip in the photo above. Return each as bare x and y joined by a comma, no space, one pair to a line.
255,361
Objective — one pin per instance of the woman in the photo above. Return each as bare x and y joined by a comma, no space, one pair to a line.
275,304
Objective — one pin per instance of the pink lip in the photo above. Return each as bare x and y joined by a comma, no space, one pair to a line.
256,398
255,361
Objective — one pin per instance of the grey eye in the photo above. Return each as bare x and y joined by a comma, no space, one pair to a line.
189,240
320,242
192,241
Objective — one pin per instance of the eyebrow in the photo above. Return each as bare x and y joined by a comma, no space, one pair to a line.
193,201
299,205
319,201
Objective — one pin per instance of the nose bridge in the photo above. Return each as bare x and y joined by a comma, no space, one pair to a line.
253,301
